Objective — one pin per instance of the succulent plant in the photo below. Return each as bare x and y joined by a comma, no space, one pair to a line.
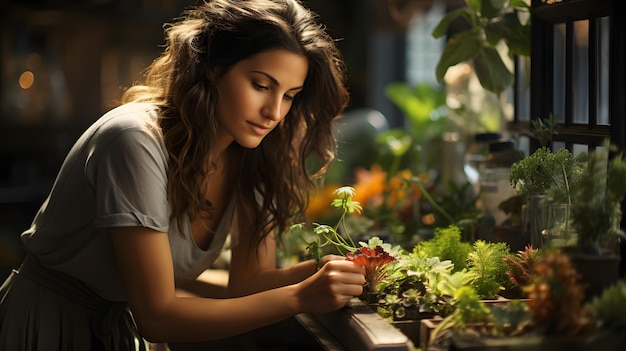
556,297
609,308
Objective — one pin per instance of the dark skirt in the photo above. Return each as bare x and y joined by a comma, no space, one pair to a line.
42,309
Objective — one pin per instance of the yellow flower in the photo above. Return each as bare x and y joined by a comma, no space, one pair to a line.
319,203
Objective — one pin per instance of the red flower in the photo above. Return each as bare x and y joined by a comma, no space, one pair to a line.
374,261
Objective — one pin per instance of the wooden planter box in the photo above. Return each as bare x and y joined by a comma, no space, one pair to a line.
359,327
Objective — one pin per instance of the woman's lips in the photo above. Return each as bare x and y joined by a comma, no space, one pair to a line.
259,129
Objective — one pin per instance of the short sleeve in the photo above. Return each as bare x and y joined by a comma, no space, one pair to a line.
130,177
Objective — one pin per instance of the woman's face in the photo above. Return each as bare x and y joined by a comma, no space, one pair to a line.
256,94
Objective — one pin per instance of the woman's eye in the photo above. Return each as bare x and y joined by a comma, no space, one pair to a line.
260,86
289,97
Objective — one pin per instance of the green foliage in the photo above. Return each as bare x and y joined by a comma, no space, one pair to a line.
419,104
596,199
543,170
609,308
510,318
414,281
490,22
392,250
544,128
447,245
337,236
468,309
487,268
424,107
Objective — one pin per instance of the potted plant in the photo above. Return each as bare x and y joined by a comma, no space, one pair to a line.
596,201
413,292
595,215
533,177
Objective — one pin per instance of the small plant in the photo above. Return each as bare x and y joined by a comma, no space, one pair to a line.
521,269
596,200
415,281
556,297
609,308
542,170
487,269
447,245
337,236
543,129
511,319
374,261
373,255
468,309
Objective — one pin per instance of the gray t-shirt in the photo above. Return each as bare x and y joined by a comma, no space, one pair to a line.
115,175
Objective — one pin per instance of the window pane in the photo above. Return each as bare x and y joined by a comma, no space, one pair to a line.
580,72
557,145
522,100
602,94
559,70
577,149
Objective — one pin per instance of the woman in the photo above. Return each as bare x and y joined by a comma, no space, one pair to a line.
213,143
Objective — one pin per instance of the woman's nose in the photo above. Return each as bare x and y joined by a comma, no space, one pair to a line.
272,109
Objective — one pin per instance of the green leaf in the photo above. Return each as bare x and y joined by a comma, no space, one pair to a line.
460,48
442,27
492,8
475,5
520,46
509,28
491,70
518,4
416,103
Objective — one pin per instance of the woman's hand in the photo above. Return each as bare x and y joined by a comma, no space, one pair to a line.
332,286
328,258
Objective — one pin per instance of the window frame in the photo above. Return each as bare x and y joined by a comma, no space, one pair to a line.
544,18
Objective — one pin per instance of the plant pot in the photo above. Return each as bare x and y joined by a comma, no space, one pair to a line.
410,328
596,272
535,218
426,329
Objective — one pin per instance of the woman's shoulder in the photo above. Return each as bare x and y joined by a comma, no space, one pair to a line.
130,126
130,116
128,119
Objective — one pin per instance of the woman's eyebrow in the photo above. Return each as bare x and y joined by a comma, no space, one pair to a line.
274,80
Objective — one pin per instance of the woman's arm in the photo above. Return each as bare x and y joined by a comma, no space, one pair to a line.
145,262
250,274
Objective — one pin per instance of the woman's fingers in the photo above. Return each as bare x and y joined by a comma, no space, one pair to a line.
347,278
333,286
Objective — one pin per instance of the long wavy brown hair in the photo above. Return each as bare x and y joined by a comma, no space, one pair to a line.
202,45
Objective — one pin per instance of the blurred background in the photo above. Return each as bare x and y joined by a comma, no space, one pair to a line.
65,62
